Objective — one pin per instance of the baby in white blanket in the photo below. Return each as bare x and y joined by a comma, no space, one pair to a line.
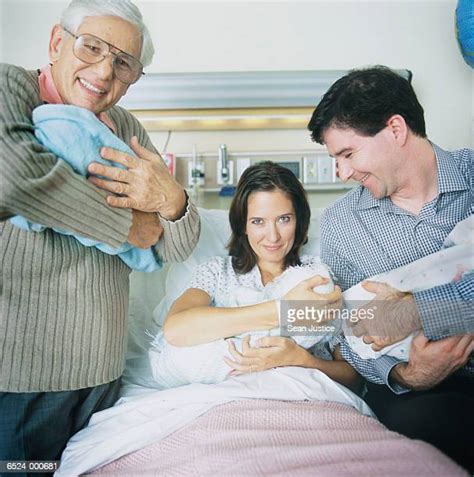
449,264
175,366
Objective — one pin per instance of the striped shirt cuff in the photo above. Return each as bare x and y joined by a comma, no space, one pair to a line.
446,310
376,371
383,367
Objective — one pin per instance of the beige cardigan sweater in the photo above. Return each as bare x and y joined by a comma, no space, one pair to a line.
63,310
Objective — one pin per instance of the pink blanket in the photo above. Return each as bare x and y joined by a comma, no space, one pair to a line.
262,437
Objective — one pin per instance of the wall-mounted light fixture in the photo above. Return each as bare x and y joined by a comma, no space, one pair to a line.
229,100
224,119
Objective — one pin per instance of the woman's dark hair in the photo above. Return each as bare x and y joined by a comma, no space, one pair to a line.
266,176
363,100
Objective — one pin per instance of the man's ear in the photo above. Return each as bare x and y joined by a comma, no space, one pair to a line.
398,128
126,90
56,41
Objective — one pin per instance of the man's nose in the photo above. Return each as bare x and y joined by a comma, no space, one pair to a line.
344,170
106,67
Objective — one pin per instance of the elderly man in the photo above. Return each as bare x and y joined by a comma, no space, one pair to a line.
64,305
411,195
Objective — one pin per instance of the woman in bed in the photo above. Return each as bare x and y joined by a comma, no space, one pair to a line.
269,218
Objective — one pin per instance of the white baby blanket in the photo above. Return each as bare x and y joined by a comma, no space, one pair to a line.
445,266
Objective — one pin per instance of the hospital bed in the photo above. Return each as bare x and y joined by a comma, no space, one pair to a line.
248,436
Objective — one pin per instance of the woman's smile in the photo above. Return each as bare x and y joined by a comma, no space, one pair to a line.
272,248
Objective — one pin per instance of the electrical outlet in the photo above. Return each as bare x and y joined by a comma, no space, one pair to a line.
242,164
326,170
310,170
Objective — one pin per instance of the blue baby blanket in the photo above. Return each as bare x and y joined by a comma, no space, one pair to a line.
76,136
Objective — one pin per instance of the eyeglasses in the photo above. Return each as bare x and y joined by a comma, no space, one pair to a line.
91,49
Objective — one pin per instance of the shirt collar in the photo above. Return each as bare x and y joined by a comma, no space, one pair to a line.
449,179
256,277
48,91
50,94
367,200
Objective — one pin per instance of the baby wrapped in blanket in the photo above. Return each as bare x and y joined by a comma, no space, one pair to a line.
176,366
451,263
76,136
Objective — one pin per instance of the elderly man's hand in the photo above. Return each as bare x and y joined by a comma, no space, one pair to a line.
394,316
272,351
145,185
433,361
146,229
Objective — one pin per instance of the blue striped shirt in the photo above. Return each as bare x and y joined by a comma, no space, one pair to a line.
362,236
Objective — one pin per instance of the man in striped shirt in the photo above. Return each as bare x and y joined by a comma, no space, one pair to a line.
411,195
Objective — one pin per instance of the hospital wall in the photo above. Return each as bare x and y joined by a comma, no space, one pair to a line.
286,35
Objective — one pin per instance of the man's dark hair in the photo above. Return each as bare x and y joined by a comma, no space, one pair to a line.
266,176
363,100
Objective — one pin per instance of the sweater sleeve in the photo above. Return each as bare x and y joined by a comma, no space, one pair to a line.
38,186
180,236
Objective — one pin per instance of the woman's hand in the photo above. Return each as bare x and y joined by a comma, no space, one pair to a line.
272,352
304,292
145,184
276,351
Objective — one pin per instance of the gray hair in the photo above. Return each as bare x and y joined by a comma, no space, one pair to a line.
78,10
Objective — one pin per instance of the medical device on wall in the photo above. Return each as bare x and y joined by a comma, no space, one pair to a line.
213,171
196,171
225,167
